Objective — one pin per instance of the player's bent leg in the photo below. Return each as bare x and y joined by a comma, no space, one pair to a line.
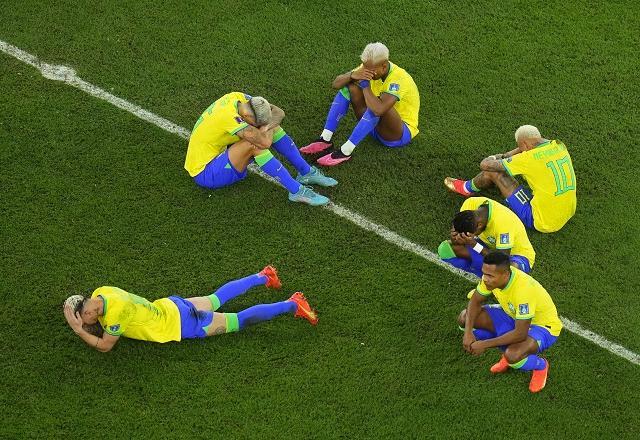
519,201
220,172
455,255
522,356
337,111
521,263
297,192
390,130
483,322
358,103
505,183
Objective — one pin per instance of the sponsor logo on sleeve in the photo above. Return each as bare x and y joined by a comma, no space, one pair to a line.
394,87
239,120
504,238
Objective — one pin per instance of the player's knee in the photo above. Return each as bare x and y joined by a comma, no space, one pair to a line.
462,318
355,93
513,355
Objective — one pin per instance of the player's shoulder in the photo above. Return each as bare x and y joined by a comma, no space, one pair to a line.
473,203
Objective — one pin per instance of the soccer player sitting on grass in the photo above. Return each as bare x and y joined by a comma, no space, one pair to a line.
483,224
524,323
120,313
238,129
546,167
385,101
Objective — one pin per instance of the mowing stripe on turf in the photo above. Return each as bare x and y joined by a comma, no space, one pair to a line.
68,76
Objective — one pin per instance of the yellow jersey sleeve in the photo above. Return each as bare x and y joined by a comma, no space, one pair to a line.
117,312
482,289
516,164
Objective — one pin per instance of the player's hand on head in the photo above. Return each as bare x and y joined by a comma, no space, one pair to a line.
73,319
468,238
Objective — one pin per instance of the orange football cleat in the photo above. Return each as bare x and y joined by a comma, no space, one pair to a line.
539,378
304,309
501,366
456,186
273,282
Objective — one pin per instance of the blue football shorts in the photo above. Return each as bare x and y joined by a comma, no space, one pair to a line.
219,173
404,140
503,323
192,321
520,203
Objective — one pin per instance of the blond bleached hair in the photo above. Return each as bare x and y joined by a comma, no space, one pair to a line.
527,132
375,52
261,110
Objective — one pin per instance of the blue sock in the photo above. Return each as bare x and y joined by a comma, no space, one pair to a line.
284,145
264,312
469,186
234,288
476,262
482,334
460,263
338,109
531,362
365,125
275,169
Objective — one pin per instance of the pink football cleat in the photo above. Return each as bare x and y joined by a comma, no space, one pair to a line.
333,159
316,146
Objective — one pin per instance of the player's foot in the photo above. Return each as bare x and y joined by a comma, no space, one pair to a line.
316,146
315,177
456,186
333,159
273,282
304,310
501,367
539,378
308,196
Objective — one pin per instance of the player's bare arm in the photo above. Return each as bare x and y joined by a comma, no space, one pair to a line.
356,75
102,344
473,310
260,137
379,106
277,116
518,334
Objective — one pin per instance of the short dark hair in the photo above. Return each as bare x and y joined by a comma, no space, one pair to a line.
465,221
498,259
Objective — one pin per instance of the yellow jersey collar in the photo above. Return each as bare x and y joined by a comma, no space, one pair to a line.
511,278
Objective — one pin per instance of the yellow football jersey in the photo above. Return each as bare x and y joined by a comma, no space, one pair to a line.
400,84
525,298
134,317
548,170
504,229
214,131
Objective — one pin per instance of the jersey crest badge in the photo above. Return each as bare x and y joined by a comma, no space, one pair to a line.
239,120
114,328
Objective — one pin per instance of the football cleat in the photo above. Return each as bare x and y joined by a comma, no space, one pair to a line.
273,282
539,378
315,177
333,159
316,146
308,196
501,366
304,310
456,186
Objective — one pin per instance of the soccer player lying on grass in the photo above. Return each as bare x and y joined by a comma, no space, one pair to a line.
546,167
524,324
483,224
238,129
385,101
120,313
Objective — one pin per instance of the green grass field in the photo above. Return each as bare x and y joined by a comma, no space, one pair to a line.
94,196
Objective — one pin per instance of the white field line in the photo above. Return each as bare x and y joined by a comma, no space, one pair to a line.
68,76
